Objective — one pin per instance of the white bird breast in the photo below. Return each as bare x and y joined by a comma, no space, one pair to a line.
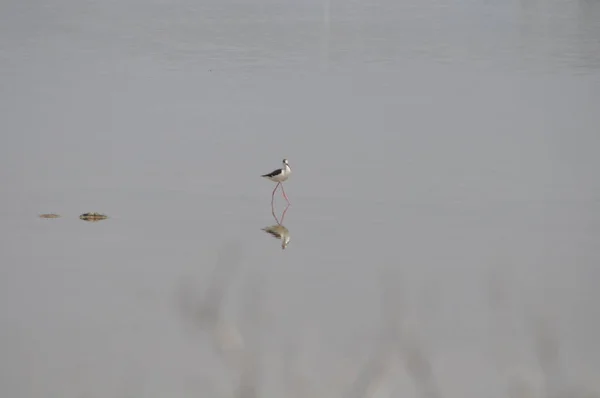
281,177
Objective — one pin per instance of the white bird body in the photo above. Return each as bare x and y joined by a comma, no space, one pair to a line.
279,176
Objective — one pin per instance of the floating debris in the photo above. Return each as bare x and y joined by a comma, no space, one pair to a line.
50,215
93,216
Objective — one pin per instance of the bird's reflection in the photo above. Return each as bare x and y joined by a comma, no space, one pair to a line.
278,230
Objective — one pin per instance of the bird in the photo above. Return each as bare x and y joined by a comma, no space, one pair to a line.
280,232
279,176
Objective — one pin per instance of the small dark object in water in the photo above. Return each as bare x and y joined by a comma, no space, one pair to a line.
50,215
93,216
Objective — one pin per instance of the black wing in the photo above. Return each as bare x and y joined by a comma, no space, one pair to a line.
273,173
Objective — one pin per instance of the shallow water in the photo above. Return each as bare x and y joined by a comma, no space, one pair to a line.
444,161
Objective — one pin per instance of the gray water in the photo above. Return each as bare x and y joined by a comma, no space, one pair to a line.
445,206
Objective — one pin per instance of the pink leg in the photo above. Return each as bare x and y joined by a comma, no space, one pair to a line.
283,215
284,195
273,194
273,213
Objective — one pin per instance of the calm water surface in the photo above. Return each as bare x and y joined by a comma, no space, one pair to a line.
445,218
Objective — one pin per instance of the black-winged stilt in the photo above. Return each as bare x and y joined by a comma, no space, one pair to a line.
279,176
